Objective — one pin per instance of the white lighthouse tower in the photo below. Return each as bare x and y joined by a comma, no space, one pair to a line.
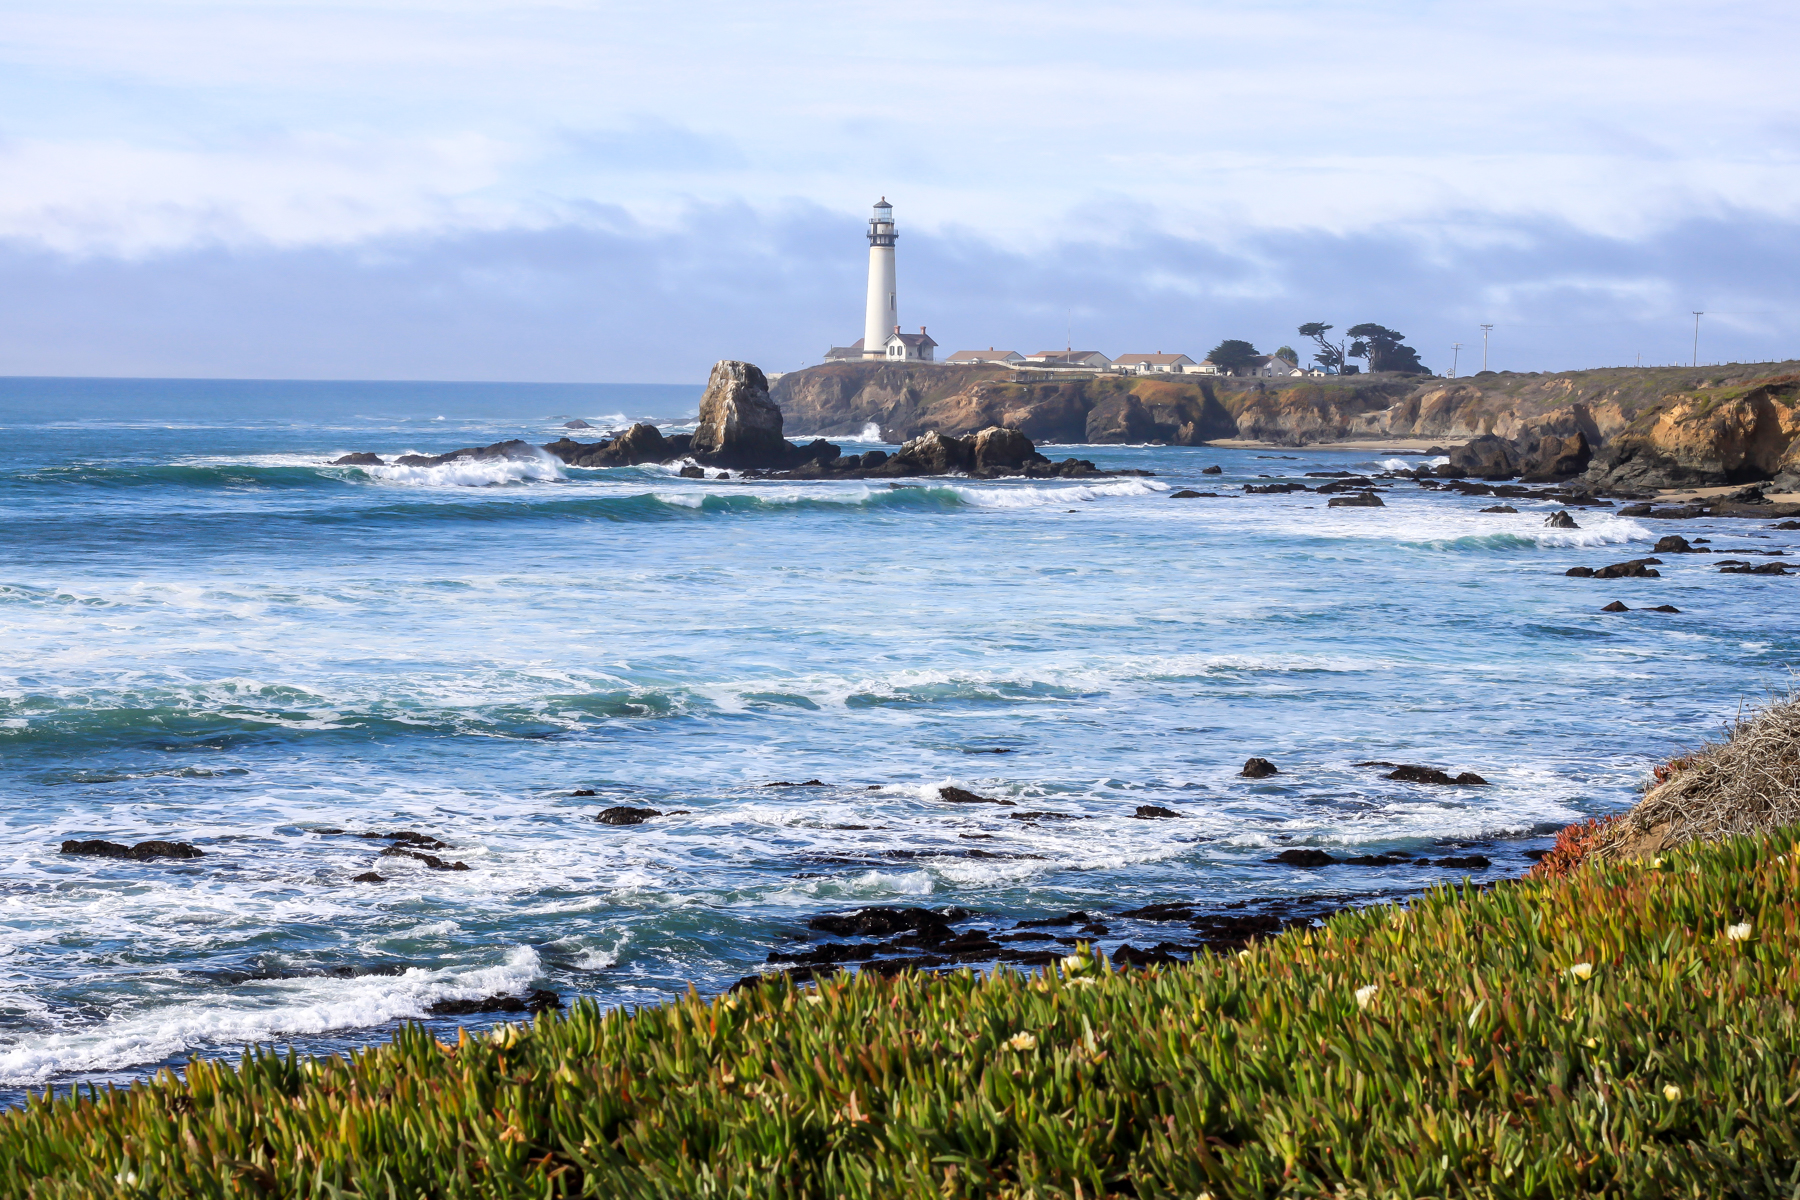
883,316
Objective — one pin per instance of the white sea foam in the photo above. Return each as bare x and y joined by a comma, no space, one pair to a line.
1051,495
472,472
280,1009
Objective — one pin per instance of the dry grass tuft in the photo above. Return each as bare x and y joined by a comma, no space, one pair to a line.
1747,783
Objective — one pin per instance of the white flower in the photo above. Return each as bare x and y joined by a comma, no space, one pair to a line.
1366,993
1022,1041
1582,971
814,998
1243,954
1083,982
1671,1093
1737,933
1656,864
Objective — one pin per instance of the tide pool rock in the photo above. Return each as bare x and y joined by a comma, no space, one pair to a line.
143,851
1360,500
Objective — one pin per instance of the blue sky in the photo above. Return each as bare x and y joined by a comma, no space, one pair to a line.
627,191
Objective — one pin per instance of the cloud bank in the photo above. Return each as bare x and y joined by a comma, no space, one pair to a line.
565,190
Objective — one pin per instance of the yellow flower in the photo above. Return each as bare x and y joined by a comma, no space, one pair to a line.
1737,933
1590,1043
1022,1041
1366,993
1656,864
1671,1093
1582,971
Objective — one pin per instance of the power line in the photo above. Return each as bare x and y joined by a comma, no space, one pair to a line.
1455,355
1485,330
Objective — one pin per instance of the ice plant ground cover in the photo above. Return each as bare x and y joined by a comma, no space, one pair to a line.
1483,1063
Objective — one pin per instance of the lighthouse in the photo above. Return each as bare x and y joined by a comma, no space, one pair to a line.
883,315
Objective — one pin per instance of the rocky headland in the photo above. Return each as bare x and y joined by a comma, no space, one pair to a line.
1621,429
741,429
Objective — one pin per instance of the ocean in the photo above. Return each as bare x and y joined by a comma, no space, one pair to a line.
209,635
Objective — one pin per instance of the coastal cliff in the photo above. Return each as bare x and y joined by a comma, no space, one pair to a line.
1642,427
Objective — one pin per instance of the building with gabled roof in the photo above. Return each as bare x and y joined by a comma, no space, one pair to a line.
1158,362
910,347
990,355
1071,358
851,353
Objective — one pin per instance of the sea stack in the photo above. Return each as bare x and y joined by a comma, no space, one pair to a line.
739,425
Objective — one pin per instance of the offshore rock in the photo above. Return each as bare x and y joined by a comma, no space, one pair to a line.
1560,520
1557,459
1360,500
739,425
933,454
624,814
1487,457
998,449
358,460
1258,768
141,852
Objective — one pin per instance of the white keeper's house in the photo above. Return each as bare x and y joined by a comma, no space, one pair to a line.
910,347
1158,363
1091,359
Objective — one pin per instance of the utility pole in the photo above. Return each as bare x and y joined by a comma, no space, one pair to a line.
1455,354
1484,337
1697,315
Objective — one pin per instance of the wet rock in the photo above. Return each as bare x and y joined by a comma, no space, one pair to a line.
430,860
820,955
1413,773
1500,508
1560,520
693,472
410,837
883,921
1129,956
1360,500
1149,812
1487,457
141,852
584,792
1158,912
1786,525
1071,918
536,1000
1184,494
1002,450
367,877
1221,471
956,795
1615,606
739,425
577,423
1352,483
1663,608
934,454
1557,458
624,814
358,460
1580,572
1637,568
1467,862
1046,816
1760,569
1275,489
1258,768
1379,860
808,783
1303,858
1674,543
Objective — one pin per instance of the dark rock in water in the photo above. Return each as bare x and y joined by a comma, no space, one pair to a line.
1275,489
739,425
1047,816
1561,520
509,451
1786,525
536,1000
1616,606
1580,572
1258,768
1413,773
1128,955
693,472
819,955
956,795
1304,858
1002,450
1674,543
934,454
1761,569
883,921
409,837
1360,500
1150,812
430,860
577,423
1184,494
1637,568
1487,457
584,792
785,783
1221,471
1379,860
1500,508
1467,862
358,460
624,814
141,852
1352,483
1663,608
1072,918
367,877
1557,458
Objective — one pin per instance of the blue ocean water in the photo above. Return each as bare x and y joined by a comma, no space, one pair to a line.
208,635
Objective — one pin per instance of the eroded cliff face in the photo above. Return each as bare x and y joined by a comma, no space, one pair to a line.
1646,427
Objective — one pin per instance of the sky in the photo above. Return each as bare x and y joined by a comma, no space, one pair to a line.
577,191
